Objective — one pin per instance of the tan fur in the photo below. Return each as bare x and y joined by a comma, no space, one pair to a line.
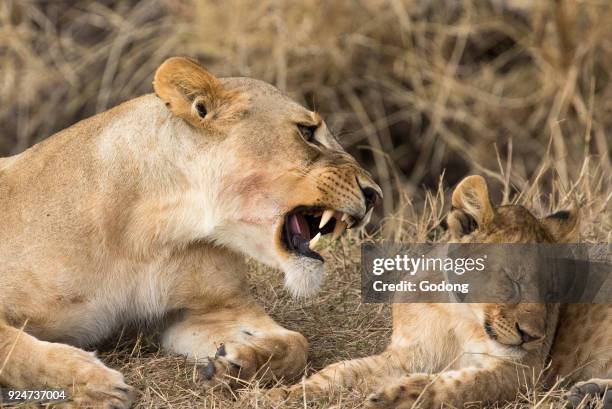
440,354
145,212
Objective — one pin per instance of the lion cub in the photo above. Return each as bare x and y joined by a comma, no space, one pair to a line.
454,354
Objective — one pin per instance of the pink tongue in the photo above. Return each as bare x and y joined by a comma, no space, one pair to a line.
299,226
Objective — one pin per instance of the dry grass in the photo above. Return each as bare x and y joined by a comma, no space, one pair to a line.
413,88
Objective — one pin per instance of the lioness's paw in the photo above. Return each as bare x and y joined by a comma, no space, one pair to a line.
265,358
582,391
90,383
229,369
402,394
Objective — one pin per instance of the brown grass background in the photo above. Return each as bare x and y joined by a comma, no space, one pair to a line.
516,90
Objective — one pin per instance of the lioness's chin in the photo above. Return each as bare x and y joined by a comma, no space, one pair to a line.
303,275
297,235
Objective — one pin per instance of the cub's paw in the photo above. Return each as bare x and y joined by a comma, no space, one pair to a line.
267,359
582,391
274,398
403,393
277,395
89,382
285,394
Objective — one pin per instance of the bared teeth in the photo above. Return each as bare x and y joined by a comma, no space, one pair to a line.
313,242
348,220
338,229
327,216
368,216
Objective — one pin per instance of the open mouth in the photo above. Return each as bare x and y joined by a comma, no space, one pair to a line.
304,227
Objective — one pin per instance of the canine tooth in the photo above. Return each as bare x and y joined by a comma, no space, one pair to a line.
348,220
327,215
368,216
338,230
314,240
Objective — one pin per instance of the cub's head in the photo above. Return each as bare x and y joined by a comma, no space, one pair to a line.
473,219
271,177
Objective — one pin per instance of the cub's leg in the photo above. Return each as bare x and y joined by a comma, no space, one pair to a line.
364,373
28,363
592,387
236,342
453,388
583,351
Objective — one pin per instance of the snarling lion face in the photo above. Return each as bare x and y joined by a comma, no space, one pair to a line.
517,327
276,178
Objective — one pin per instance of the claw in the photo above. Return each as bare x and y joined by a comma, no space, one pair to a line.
209,371
221,351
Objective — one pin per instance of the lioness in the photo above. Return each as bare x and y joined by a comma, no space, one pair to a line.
145,212
454,354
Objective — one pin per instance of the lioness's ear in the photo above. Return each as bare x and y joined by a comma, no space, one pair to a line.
564,226
187,89
472,197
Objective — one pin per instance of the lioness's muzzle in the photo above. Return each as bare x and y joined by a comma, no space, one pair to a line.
345,205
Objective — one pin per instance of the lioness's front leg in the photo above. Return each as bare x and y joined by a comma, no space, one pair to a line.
237,341
28,363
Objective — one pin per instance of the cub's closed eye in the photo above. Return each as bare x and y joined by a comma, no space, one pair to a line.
308,132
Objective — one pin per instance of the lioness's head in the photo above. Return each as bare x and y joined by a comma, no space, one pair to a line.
473,219
276,177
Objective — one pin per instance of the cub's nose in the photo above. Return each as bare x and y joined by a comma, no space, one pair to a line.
529,334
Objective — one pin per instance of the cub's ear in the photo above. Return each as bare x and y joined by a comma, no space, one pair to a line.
564,225
472,197
187,89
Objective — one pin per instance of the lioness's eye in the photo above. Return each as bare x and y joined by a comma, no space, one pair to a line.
308,132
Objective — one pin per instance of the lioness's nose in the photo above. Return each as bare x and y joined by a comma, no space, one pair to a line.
371,197
370,190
